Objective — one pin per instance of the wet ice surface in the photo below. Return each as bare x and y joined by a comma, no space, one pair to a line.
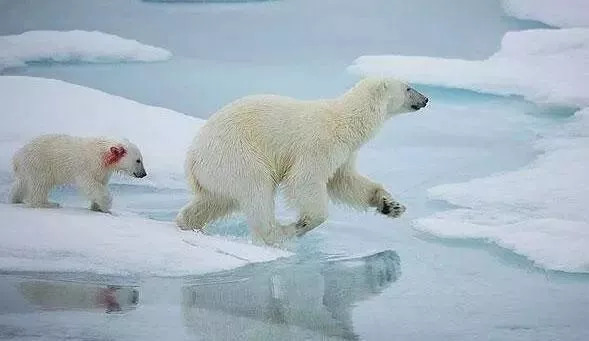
284,300
400,283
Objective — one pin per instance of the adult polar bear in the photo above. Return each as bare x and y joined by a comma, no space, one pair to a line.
252,145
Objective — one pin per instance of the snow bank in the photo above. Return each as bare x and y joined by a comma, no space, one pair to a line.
32,106
74,46
79,240
544,66
562,13
538,211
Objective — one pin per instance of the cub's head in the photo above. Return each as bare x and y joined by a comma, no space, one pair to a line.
400,97
125,157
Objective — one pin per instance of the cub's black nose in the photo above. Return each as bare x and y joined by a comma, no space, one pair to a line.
140,175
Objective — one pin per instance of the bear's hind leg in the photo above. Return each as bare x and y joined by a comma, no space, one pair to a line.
38,193
202,210
259,210
18,191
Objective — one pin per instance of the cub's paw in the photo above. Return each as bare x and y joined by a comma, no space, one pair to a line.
44,205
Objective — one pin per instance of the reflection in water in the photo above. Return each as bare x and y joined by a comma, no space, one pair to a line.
75,296
266,301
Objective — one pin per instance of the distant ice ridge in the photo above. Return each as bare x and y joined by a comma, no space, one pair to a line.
559,13
543,65
74,46
77,239
538,211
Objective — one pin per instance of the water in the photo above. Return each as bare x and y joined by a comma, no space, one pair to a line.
359,276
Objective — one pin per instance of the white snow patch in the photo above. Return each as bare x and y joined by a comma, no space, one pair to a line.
561,13
74,46
543,65
33,106
79,240
539,211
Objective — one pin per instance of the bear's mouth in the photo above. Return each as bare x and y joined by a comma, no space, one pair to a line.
415,107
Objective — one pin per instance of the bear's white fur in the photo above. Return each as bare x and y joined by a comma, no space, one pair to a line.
252,145
88,162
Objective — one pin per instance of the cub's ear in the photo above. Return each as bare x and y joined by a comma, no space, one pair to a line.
114,154
117,150
114,150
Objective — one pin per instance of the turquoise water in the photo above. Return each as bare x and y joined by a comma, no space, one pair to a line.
359,276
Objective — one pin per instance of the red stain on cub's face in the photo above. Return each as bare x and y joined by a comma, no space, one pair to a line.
114,155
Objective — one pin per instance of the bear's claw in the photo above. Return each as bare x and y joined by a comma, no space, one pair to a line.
391,208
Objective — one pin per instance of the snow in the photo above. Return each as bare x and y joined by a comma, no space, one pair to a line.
69,239
562,13
35,106
76,239
74,46
543,65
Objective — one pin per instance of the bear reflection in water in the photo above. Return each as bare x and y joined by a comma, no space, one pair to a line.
302,300
74,296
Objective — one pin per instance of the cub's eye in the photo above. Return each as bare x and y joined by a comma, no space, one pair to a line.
138,161
408,89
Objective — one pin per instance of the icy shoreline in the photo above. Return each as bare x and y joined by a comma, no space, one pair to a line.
537,211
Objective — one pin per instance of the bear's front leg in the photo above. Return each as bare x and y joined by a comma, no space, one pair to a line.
385,204
311,199
97,192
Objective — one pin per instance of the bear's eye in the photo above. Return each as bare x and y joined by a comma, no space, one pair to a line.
138,161
408,89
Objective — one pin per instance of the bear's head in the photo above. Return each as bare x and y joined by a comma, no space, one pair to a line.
401,98
125,157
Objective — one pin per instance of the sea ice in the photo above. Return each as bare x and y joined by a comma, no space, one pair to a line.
543,65
74,46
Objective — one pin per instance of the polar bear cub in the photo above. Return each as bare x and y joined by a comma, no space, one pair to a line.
88,162
249,147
